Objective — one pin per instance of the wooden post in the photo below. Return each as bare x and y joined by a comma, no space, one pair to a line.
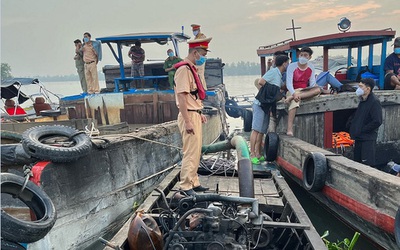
328,129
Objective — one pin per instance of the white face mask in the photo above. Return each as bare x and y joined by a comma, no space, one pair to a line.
303,60
359,91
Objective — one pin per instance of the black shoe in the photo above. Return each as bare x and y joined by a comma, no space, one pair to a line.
200,189
189,192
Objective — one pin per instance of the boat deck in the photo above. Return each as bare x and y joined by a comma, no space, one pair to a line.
264,189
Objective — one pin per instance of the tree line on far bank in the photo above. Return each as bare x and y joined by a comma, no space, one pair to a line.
230,69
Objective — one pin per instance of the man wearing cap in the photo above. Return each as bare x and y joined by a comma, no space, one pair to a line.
190,117
365,123
200,68
91,56
169,66
392,68
196,32
80,65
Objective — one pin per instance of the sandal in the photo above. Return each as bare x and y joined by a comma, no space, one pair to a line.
255,160
262,158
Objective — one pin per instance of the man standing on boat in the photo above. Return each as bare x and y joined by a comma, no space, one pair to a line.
80,64
392,68
365,123
301,84
91,56
190,118
169,66
200,68
137,54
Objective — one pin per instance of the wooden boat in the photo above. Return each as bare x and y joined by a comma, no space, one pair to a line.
94,194
238,212
364,197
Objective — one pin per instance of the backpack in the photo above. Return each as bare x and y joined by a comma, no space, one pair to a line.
199,92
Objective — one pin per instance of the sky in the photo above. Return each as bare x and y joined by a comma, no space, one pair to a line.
37,35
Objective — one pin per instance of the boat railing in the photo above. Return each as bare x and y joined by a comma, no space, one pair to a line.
276,44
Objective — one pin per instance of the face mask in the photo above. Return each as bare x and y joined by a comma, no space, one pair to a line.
303,60
397,51
201,60
171,54
359,91
85,39
195,32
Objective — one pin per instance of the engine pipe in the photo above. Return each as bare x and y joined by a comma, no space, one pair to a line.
245,168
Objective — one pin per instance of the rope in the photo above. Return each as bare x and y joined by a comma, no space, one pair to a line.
93,131
156,142
28,173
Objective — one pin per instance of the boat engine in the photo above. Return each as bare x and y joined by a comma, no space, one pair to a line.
217,222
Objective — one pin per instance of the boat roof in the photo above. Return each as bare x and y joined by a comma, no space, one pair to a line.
342,40
147,37
18,81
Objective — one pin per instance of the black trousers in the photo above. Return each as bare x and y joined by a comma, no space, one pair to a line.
364,152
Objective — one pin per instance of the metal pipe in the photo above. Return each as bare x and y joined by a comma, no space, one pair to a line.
245,168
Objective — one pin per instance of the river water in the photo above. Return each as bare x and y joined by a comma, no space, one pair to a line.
243,86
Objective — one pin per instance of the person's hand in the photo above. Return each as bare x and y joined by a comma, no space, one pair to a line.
203,119
189,127
296,97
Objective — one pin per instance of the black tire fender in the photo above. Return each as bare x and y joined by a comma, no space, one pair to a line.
14,229
232,108
397,227
247,120
11,136
34,138
271,145
9,245
314,171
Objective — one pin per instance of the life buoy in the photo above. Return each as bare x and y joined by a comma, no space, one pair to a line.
232,108
247,120
16,230
314,171
397,227
271,145
36,142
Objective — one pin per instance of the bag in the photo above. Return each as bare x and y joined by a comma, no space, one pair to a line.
199,92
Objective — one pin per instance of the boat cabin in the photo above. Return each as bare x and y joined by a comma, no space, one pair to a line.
353,41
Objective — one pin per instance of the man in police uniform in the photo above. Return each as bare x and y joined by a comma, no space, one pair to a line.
196,32
190,117
200,68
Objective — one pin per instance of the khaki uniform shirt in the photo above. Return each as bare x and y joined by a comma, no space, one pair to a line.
185,83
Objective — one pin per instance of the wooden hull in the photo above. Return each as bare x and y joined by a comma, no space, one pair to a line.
95,195
364,197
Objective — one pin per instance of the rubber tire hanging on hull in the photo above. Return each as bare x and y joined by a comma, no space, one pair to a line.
10,135
247,120
271,145
34,138
397,227
314,171
14,229
232,108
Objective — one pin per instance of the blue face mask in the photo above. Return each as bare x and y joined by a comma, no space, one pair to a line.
303,60
397,51
171,54
85,39
359,91
195,32
201,60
